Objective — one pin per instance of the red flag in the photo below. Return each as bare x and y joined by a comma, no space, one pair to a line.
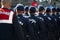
34,3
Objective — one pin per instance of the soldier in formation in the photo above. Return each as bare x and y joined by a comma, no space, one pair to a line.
22,24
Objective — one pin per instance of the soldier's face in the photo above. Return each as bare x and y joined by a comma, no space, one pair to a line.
54,12
26,11
20,12
44,11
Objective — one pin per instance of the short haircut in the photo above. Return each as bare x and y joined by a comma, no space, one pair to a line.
48,10
54,9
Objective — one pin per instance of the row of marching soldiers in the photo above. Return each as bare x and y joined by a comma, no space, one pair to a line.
19,25
44,26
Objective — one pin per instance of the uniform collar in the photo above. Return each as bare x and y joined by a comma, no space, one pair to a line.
27,14
5,8
20,15
40,14
49,14
32,15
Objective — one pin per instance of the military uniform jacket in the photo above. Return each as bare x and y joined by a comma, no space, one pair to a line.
36,25
58,19
52,27
6,21
27,28
18,31
43,27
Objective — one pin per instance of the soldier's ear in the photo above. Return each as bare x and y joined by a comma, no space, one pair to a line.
28,11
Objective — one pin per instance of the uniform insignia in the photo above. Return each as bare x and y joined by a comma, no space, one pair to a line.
59,17
44,14
32,20
41,18
55,19
59,13
20,23
18,17
6,17
49,18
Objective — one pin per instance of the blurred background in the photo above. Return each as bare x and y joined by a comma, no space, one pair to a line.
55,3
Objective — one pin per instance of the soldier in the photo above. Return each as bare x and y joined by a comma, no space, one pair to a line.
26,9
6,21
25,24
58,20
43,30
18,31
6,16
51,23
34,21
55,17
17,6
9,26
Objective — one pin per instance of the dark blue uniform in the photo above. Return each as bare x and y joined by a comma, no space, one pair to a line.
25,24
18,31
58,20
35,23
55,17
43,27
27,28
51,27
8,30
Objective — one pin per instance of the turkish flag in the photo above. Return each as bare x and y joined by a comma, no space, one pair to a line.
34,3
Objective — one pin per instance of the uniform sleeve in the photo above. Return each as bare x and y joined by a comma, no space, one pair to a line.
18,32
33,35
